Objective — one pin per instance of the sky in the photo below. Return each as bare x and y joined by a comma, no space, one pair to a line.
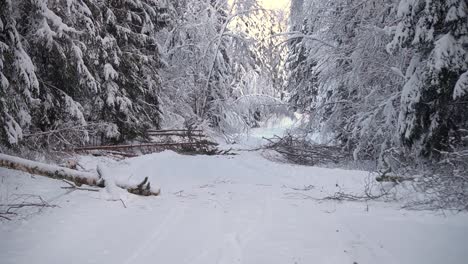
274,4
278,5
281,8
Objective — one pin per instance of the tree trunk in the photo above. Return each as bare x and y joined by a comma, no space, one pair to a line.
78,177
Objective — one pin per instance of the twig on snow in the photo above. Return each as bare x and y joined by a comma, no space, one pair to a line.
74,187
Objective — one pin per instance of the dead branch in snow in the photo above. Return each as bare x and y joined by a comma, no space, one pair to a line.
444,184
340,195
72,186
368,194
77,177
129,146
186,141
300,151
173,130
21,205
337,196
4,217
305,188
23,201
116,155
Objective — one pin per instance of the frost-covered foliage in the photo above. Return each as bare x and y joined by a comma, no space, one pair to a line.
339,71
195,50
434,98
108,70
387,80
75,63
377,84
19,86
212,60
302,79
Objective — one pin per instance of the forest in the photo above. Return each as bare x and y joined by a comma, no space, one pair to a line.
379,86
384,80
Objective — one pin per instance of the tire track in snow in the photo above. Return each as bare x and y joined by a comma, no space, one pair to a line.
235,243
242,225
362,249
261,221
231,252
159,233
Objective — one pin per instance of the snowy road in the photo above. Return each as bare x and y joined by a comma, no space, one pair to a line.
226,209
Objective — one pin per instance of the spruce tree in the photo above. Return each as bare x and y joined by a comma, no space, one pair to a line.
433,102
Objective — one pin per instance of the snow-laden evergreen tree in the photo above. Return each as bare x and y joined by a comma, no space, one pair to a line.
108,70
434,98
56,50
129,61
342,75
362,82
19,86
301,81
81,66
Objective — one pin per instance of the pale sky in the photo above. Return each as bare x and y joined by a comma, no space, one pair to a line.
280,6
274,4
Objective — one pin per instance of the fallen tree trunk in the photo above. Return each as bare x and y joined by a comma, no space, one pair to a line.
393,178
78,177
51,171
115,147
175,130
174,134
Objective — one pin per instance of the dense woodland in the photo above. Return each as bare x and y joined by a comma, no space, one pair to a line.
385,80
382,74
117,68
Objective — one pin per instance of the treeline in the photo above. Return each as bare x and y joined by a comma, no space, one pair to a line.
80,69
80,66
382,76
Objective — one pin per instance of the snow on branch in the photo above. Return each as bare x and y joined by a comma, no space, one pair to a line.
297,35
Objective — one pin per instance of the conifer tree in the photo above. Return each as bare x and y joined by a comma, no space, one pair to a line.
433,101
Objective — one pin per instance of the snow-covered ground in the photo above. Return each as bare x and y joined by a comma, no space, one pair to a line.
223,209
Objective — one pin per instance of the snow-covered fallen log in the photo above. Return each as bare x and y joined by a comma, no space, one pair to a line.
78,177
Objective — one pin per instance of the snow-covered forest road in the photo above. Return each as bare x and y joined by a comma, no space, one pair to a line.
379,84
225,209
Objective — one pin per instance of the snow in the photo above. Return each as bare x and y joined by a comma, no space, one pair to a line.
111,131
461,87
397,71
83,69
13,129
448,53
223,209
274,126
456,13
111,191
405,7
4,81
26,69
110,73
74,109
54,19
